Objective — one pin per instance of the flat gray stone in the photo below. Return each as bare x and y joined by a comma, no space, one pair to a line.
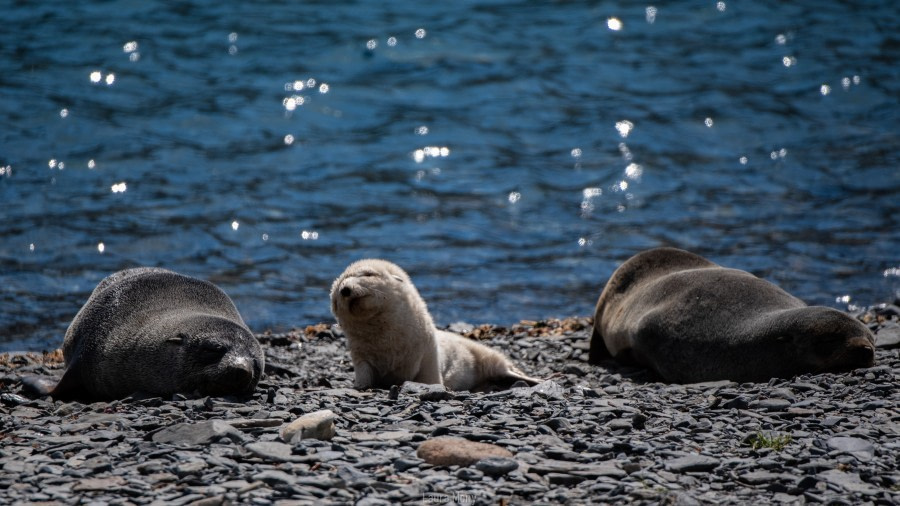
888,337
271,450
692,464
850,482
548,389
426,392
496,466
193,434
548,466
859,448
275,477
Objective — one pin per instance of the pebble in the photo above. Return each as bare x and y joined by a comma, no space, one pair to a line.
588,435
496,466
192,434
316,425
454,451
692,463
859,448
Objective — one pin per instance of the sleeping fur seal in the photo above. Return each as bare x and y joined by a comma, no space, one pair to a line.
155,331
690,320
392,337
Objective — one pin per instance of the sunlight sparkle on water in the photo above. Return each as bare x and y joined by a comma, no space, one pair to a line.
419,155
624,127
634,171
825,89
651,14
91,164
101,247
392,41
614,24
589,193
626,153
371,44
422,130
720,6
708,122
576,153
420,33
235,225
96,76
514,197
288,139
309,235
64,113
119,187
6,171
743,160
788,61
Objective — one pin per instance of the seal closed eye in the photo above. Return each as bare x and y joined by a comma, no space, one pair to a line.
392,338
159,332
691,320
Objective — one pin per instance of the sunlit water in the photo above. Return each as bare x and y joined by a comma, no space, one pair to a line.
509,155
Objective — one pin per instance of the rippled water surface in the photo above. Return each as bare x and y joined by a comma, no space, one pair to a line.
509,155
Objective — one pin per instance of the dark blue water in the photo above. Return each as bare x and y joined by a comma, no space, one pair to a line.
507,154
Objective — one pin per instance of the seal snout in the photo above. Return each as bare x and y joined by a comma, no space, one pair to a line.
862,355
237,374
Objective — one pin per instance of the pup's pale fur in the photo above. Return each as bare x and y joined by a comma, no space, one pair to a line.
392,338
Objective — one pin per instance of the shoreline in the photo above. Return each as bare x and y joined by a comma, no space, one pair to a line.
589,434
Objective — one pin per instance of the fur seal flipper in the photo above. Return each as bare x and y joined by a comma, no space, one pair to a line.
691,320
392,338
159,332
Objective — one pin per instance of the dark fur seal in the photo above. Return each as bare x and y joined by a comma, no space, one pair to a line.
690,320
159,332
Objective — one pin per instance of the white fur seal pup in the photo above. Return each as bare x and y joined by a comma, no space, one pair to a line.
155,331
392,338
691,320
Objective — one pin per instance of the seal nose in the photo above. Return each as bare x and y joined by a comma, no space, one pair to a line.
238,373
345,291
862,356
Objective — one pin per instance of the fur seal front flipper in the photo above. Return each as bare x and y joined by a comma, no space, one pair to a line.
158,332
691,320
392,338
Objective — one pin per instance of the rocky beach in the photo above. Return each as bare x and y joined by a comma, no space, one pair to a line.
586,435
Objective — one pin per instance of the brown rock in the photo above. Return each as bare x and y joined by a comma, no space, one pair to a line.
95,484
454,451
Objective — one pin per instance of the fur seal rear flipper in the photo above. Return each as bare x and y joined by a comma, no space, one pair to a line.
159,332
691,320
